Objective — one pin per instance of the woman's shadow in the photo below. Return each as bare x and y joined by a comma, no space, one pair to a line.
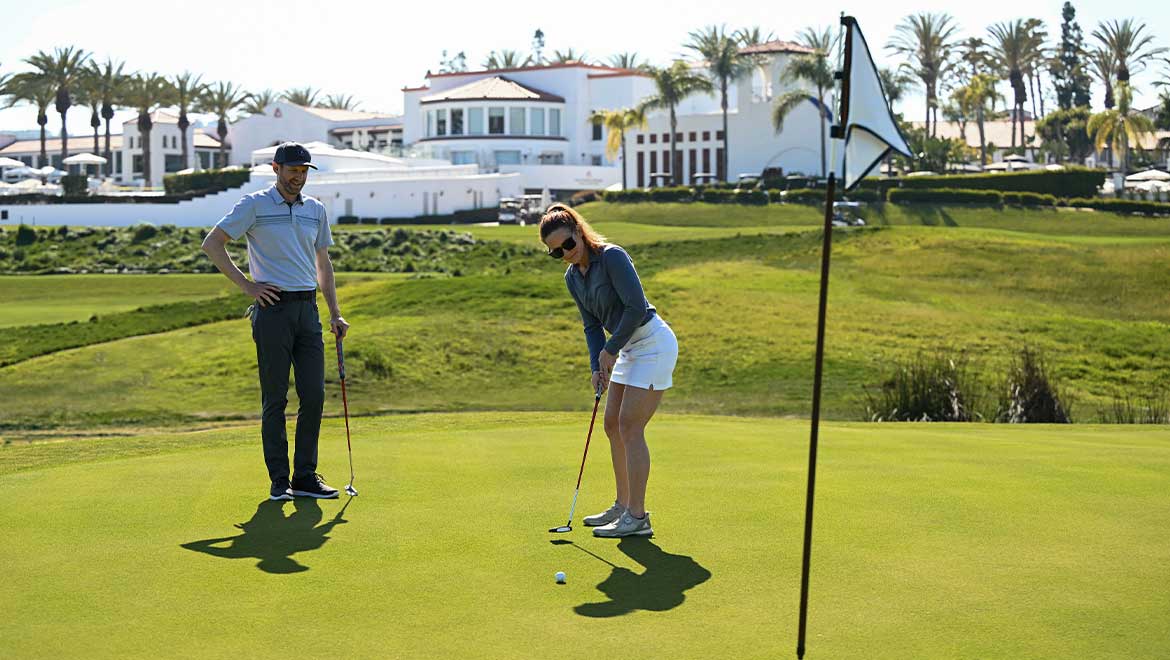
659,588
272,538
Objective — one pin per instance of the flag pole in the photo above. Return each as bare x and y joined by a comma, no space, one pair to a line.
837,132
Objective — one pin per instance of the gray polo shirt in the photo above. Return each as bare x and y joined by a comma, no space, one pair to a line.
283,237
608,295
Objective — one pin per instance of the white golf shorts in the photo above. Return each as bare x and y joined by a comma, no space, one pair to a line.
648,358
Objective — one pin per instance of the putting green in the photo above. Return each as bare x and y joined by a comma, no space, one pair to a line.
931,541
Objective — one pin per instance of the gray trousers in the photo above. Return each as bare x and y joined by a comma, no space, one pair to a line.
289,334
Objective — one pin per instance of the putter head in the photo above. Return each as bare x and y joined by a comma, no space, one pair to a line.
562,529
350,490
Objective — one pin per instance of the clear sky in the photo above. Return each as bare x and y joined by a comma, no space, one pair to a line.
372,49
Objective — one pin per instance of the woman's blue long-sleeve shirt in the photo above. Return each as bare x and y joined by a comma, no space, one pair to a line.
608,295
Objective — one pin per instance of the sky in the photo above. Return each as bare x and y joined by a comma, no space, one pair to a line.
372,49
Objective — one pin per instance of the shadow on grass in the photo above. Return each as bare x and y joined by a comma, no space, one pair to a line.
659,588
273,538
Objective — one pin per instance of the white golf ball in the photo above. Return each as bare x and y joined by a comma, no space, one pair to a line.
560,577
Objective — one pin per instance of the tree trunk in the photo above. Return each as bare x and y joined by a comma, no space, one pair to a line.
926,126
623,159
109,154
1023,143
1014,115
673,127
821,113
183,125
726,152
43,120
64,141
982,137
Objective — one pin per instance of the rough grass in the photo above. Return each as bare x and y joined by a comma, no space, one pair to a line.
936,541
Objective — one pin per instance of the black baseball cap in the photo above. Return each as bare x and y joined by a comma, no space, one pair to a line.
291,153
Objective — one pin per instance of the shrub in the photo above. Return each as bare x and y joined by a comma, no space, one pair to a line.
347,219
74,185
206,181
1149,407
1120,205
927,388
1028,199
368,221
584,196
632,195
1030,393
675,194
1069,182
25,235
946,196
143,232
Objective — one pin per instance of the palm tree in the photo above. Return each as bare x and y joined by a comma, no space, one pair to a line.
725,65
813,69
109,85
1035,57
980,94
926,41
1118,128
35,90
617,122
340,102
258,101
303,96
1129,47
1103,65
673,83
89,95
63,69
145,92
895,82
626,60
222,99
752,36
506,59
5,79
188,88
569,56
1010,49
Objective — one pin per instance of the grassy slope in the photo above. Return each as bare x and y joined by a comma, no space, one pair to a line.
29,300
744,309
931,541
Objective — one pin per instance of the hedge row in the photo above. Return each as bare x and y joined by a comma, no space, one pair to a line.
459,217
1069,182
946,196
206,181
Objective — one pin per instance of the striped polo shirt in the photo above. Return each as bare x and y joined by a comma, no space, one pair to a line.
283,237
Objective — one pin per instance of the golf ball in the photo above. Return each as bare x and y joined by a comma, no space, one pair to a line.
560,577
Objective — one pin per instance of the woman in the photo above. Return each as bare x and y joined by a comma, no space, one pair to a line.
635,364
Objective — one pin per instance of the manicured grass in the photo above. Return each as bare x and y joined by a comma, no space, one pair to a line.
34,300
931,541
622,232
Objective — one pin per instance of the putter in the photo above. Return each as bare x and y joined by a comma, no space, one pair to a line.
568,527
349,489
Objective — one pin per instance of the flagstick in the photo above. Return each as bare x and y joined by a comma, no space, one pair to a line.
820,355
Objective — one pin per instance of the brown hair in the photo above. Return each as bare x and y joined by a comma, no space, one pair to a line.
561,215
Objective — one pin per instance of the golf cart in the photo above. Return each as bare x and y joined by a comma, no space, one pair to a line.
845,214
510,211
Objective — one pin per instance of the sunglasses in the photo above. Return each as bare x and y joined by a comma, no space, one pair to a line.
567,246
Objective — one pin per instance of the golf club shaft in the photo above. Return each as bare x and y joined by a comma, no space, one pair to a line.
592,420
344,404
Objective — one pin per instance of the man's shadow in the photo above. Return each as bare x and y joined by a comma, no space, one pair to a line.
659,588
272,538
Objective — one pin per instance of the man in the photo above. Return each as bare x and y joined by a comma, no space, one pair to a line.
288,257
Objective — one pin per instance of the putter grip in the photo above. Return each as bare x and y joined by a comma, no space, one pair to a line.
340,360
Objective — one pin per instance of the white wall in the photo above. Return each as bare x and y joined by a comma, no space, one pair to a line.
565,177
161,133
259,131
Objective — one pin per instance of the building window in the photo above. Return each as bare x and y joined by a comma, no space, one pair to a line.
204,160
719,165
173,163
137,163
554,122
475,121
706,136
596,131
718,135
463,158
441,122
507,157
552,158
641,167
457,122
691,164
640,138
691,136
678,137
666,161
516,121
595,160
665,137
496,121
653,138
131,140
536,121
706,161
430,123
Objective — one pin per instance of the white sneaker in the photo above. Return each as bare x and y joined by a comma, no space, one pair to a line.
627,525
605,517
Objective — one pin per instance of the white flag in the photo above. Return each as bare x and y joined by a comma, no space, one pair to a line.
870,131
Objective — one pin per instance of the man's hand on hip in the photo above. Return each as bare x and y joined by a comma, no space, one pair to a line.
265,294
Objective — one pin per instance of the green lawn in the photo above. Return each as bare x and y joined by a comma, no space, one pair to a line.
35,300
931,541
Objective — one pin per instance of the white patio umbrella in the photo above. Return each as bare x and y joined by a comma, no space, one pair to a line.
10,162
29,184
1054,167
85,159
1015,158
1148,175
